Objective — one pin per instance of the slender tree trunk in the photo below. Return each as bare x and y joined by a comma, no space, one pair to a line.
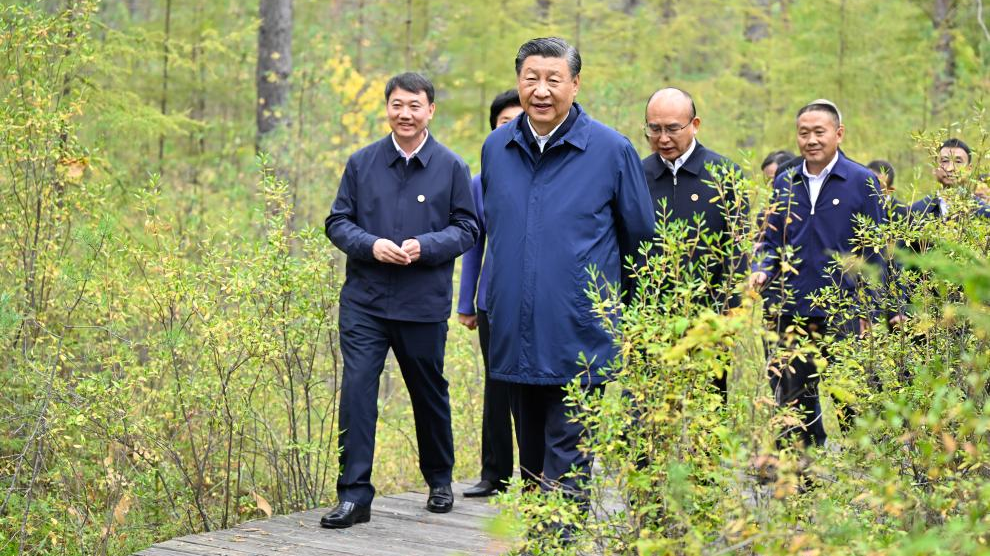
164,98
757,29
274,67
543,10
945,72
359,57
577,25
409,20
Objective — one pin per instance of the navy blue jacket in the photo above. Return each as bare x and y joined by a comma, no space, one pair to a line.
583,203
817,233
690,194
429,199
929,206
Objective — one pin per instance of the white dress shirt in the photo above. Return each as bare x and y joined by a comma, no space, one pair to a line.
815,182
679,161
415,151
541,140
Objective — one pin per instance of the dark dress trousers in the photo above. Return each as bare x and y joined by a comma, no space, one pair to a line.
689,194
404,308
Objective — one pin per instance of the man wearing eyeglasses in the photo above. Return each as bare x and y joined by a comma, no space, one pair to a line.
687,180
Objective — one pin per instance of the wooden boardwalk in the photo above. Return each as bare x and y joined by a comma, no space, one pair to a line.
400,525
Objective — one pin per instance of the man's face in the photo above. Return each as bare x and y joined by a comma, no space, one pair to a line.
547,91
770,171
884,180
951,162
818,137
669,125
408,114
507,114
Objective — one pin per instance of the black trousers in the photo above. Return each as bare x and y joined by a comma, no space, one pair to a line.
548,438
496,418
795,381
419,347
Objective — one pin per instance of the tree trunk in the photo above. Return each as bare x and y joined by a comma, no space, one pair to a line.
757,29
945,72
274,67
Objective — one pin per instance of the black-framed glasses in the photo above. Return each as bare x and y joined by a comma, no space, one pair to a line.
656,130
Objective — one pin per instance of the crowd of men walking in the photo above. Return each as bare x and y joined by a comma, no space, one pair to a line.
559,192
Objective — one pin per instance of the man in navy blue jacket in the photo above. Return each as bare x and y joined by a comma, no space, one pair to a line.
816,203
403,213
562,193
954,163
682,186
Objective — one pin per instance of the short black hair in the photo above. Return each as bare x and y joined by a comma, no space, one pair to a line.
504,100
954,143
778,158
412,82
694,110
883,167
550,47
822,107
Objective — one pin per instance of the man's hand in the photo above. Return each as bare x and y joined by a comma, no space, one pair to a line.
757,280
411,248
386,251
470,321
897,320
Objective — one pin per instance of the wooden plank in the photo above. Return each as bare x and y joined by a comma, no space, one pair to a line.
400,525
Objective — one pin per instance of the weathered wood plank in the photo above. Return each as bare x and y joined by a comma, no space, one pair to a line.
400,525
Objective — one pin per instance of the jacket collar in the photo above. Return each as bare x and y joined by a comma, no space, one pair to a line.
392,155
841,170
693,165
576,136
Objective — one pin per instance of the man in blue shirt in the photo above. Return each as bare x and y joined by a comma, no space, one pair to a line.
815,205
562,193
403,213
496,422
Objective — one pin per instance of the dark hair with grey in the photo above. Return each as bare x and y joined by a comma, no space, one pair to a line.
412,82
550,47
954,143
504,100
830,109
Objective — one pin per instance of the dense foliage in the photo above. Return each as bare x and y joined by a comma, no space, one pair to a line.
168,302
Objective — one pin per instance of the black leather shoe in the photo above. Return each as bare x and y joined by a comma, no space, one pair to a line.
483,488
441,499
345,515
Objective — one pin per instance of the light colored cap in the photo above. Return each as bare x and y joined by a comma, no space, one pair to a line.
826,102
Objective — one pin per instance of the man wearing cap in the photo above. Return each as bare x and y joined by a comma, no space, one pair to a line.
403,213
816,203
688,181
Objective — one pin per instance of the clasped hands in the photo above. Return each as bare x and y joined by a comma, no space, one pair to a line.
386,251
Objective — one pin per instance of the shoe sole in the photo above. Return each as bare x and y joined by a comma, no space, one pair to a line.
440,510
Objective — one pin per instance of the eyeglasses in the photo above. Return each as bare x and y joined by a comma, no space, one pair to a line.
656,130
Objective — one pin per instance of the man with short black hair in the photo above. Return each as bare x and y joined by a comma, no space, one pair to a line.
563,193
815,207
774,161
954,161
403,213
496,421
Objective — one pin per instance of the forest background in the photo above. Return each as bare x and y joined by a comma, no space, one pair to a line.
167,297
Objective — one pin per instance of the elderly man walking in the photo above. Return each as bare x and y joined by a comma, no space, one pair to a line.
562,193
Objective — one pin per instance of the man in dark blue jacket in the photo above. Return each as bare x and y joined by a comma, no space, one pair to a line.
562,193
683,186
403,213
954,165
815,205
